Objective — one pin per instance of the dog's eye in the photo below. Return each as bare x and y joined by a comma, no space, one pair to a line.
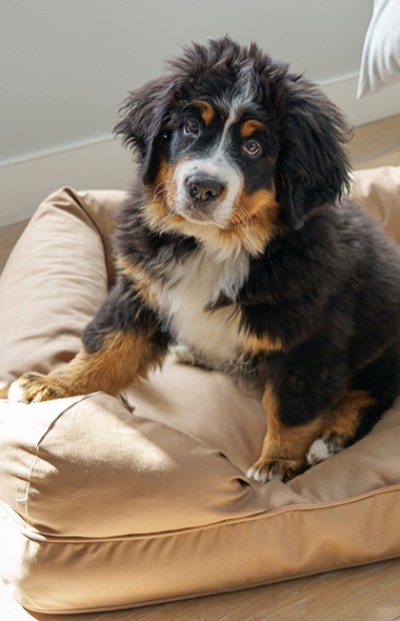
252,148
192,128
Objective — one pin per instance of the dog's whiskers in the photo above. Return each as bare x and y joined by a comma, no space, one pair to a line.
241,216
160,189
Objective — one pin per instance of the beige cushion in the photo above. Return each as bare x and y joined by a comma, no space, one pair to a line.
117,502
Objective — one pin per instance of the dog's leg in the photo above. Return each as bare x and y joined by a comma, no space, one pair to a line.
303,386
284,448
341,427
123,342
117,363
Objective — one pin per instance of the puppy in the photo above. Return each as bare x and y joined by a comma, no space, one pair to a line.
236,243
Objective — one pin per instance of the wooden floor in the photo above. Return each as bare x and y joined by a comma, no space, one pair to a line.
369,593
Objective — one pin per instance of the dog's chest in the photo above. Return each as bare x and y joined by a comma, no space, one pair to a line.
189,288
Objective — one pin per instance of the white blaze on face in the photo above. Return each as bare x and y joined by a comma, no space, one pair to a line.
216,163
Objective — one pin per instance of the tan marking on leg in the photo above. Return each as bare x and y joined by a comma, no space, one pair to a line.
340,426
283,454
249,127
281,440
344,420
119,362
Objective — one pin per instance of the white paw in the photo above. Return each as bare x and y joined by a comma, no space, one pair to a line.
319,451
15,392
276,469
262,476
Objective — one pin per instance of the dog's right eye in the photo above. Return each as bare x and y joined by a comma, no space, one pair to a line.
192,128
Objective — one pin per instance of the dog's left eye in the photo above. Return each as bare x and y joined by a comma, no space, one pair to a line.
192,128
252,148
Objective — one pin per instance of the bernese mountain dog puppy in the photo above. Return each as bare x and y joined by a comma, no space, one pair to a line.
237,243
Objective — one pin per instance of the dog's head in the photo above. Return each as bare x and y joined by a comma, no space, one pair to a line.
231,140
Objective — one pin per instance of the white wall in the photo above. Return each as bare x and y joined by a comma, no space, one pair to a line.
65,66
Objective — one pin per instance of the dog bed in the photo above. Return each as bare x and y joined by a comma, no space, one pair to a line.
110,502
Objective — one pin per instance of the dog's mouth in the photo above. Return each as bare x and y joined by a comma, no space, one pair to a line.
238,219
203,198
201,195
199,213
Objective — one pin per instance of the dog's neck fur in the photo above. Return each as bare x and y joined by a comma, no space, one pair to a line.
189,289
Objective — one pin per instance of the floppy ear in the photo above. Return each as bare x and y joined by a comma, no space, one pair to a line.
143,124
312,166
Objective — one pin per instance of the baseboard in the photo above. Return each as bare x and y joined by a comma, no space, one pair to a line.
103,163
380,105
25,183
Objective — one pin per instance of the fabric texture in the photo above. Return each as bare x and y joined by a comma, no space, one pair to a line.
116,502
380,60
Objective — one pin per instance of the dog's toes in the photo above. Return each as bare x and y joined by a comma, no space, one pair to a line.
280,468
34,387
324,447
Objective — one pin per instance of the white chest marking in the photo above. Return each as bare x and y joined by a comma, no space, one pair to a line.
191,286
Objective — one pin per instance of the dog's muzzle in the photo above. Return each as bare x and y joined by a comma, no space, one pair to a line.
206,191
204,188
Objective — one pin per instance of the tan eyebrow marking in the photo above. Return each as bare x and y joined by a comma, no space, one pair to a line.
250,126
206,110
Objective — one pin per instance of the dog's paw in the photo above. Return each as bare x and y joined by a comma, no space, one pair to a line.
324,447
35,387
278,468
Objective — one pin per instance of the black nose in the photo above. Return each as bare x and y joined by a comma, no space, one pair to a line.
204,188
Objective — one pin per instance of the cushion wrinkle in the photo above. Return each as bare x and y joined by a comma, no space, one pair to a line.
144,500
151,416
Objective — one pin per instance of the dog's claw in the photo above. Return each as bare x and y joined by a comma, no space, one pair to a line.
279,468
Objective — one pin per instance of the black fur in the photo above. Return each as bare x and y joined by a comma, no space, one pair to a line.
307,131
326,285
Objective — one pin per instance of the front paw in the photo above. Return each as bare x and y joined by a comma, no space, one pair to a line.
277,468
325,446
33,387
